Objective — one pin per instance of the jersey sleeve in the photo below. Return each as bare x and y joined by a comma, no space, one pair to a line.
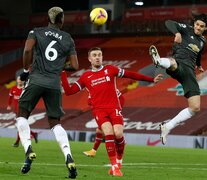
176,27
117,71
72,47
80,83
137,76
31,34
69,90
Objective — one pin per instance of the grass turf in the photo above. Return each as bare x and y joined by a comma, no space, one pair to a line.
140,162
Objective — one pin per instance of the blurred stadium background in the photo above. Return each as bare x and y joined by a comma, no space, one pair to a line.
125,40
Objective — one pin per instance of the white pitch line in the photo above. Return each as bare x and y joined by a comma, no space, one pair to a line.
164,164
128,165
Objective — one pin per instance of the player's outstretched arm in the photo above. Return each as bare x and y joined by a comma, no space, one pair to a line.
141,77
69,90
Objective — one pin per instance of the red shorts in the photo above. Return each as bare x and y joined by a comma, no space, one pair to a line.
114,116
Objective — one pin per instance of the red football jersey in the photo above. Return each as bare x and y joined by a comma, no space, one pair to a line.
101,85
119,94
14,94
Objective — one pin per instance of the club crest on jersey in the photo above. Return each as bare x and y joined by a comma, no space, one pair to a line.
107,78
106,71
194,47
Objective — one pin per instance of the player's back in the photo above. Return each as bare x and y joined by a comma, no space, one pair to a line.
50,52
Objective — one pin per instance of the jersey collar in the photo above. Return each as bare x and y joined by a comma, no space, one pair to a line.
96,70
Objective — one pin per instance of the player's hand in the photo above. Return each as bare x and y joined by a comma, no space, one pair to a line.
8,108
158,78
178,38
200,68
24,75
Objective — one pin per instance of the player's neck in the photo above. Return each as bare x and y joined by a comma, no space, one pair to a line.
95,69
53,26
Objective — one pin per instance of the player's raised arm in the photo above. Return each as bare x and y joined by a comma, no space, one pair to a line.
176,29
69,90
141,77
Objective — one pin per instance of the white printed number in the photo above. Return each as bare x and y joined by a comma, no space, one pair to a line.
118,112
51,53
182,25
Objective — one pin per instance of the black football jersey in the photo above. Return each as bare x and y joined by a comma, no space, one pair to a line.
190,49
49,54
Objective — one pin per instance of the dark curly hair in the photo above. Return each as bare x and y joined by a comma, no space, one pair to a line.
201,17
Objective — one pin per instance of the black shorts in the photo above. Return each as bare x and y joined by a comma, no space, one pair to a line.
52,99
187,78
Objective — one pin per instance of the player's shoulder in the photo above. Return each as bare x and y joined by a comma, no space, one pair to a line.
36,29
109,66
39,28
203,39
65,33
87,73
186,27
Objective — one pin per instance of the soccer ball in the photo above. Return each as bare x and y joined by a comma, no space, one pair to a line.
98,16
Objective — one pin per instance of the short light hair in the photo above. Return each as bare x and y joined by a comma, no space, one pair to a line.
94,49
53,13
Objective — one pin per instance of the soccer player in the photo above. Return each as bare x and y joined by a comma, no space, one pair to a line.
100,82
47,49
14,95
99,133
187,49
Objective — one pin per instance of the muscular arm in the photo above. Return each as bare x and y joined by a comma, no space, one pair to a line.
28,53
69,90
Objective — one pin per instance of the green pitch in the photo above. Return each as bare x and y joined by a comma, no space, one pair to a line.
140,162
